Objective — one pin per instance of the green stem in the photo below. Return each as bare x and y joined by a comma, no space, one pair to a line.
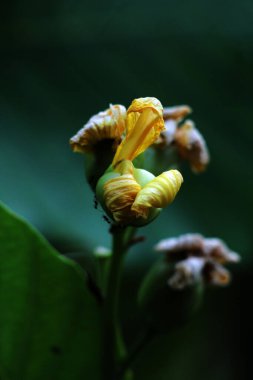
145,337
114,348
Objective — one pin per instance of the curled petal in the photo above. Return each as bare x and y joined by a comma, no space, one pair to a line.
217,250
216,274
197,269
108,124
182,246
158,193
138,106
195,245
187,272
124,167
191,146
119,194
176,113
143,125
167,136
124,216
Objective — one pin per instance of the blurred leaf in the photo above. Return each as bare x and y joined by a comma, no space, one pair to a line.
49,323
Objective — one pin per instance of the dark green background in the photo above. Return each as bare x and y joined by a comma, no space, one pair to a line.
63,61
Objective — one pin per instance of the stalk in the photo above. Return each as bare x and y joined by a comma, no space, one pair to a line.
114,349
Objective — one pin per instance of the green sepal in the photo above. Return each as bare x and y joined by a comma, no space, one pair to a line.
158,160
142,176
100,188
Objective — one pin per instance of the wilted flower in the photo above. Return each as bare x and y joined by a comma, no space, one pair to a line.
185,137
132,195
106,125
176,113
172,116
197,259
191,146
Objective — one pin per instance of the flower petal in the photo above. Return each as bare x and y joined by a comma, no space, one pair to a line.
218,251
176,113
143,126
167,136
215,274
182,246
158,193
108,124
191,146
187,273
119,195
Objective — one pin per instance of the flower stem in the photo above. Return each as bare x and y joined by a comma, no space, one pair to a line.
114,348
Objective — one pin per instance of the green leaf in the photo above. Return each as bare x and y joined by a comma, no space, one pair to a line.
49,323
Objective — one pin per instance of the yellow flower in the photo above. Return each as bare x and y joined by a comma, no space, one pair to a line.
131,195
108,124
144,123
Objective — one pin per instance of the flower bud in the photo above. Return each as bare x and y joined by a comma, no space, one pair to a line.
117,190
133,196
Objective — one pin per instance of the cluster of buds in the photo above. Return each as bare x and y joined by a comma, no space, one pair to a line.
197,259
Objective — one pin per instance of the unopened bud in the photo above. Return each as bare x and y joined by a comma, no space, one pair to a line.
133,196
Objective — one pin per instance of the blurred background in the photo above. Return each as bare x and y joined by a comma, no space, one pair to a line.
62,62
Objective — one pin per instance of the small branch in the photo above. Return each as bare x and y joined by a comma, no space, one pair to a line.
144,339
136,240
